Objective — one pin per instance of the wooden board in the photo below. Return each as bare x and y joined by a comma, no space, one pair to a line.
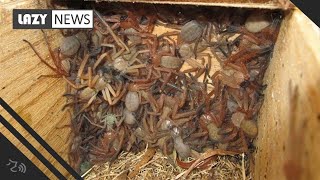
269,4
285,135
38,101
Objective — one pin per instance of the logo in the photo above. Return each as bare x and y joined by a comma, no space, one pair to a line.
17,168
52,19
21,167
30,19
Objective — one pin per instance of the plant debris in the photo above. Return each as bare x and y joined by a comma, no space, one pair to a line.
160,167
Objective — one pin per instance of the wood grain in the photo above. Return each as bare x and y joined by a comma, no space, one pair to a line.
285,135
38,101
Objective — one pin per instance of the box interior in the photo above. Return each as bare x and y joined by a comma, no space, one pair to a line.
288,122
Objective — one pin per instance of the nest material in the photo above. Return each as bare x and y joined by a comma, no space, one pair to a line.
161,167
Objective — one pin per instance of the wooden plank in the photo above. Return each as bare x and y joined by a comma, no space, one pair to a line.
38,101
285,134
268,4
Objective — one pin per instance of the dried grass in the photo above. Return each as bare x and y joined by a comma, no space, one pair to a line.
162,167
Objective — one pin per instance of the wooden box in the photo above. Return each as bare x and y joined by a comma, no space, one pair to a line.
289,121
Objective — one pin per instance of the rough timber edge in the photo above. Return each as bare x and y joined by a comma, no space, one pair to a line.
257,5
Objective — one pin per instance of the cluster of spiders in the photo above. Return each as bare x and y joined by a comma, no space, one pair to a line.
127,87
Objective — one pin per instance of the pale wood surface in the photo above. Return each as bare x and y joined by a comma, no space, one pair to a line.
38,101
297,60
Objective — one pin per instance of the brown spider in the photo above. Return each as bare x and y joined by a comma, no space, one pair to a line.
58,69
